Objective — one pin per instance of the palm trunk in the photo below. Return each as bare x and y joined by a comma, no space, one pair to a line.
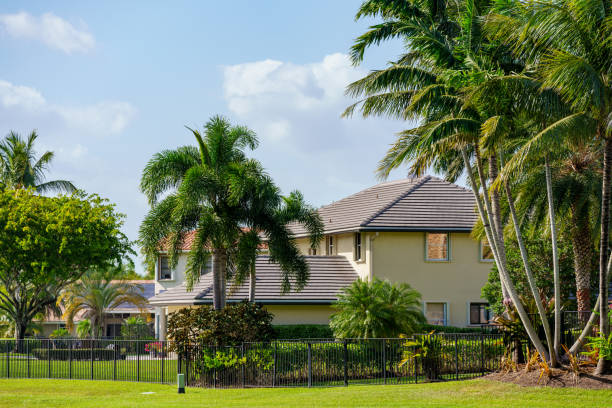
555,253
505,278
582,246
496,215
252,284
532,283
604,328
219,264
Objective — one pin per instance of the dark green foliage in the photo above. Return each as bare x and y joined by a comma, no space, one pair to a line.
236,323
426,328
303,331
76,354
540,257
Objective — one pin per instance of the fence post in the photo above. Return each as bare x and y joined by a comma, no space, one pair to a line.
384,360
114,360
243,364
482,362
8,360
48,358
416,370
137,361
309,364
162,362
274,367
345,358
91,357
456,358
70,358
28,355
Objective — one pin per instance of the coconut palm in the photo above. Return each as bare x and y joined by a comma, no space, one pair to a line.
569,43
19,167
230,203
96,294
377,308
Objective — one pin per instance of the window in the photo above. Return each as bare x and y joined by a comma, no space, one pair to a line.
436,247
486,254
479,313
357,250
164,271
435,313
330,244
312,251
206,268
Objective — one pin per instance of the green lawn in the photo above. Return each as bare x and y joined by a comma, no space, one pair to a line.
474,393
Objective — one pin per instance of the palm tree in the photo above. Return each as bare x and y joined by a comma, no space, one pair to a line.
19,167
569,43
377,308
95,294
230,203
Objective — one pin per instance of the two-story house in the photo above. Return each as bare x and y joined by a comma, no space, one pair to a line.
414,230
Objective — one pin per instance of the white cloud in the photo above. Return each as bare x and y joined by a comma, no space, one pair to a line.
49,29
103,118
295,110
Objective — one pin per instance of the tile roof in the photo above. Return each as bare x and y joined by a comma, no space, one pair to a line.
328,276
412,204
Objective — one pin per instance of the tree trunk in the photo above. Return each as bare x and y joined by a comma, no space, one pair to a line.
555,252
604,328
582,246
504,277
219,264
252,284
497,221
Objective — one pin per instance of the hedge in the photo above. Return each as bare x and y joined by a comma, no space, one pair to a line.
76,354
303,331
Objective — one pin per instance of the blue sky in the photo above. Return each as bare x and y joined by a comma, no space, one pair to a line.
108,84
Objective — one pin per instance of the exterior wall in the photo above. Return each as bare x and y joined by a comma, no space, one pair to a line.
289,314
178,275
400,257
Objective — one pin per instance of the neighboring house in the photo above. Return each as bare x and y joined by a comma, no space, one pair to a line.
114,318
414,230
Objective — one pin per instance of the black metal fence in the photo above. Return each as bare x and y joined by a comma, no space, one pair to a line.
437,357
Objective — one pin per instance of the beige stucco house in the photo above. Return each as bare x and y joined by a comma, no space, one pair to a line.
414,230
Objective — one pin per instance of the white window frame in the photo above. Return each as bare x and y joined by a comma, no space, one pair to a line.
448,247
358,247
446,310
480,252
312,251
158,274
331,243
469,314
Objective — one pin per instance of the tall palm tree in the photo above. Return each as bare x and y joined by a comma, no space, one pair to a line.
230,203
95,294
377,308
569,42
19,167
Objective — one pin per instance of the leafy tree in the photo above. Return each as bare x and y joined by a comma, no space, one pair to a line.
83,329
97,293
19,167
230,203
47,243
377,308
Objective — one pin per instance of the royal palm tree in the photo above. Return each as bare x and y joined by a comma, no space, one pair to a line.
19,167
96,294
377,308
569,42
230,203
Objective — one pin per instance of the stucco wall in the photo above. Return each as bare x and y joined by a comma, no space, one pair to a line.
178,275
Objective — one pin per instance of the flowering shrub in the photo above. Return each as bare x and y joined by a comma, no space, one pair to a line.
155,347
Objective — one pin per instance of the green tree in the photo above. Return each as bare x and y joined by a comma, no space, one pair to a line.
377,308
19,167
230,203
83,329
47,243
98,293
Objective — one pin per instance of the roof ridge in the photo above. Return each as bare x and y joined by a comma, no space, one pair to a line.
393,202
469,190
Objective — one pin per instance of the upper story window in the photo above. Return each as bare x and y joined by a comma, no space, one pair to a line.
312,251
437,246
163,268
357,254
206,268
330,245
479,313
486,254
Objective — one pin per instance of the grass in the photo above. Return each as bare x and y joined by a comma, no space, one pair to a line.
474,393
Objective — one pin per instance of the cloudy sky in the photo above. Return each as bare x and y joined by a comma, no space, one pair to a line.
108,84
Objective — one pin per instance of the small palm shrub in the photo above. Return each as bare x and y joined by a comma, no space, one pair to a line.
377,308
83,328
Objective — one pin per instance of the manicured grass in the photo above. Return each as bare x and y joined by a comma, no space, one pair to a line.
474,393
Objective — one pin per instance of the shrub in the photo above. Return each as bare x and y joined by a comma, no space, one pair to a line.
377,308
75,354
426,328
135,327
233,325
59,333
303,331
